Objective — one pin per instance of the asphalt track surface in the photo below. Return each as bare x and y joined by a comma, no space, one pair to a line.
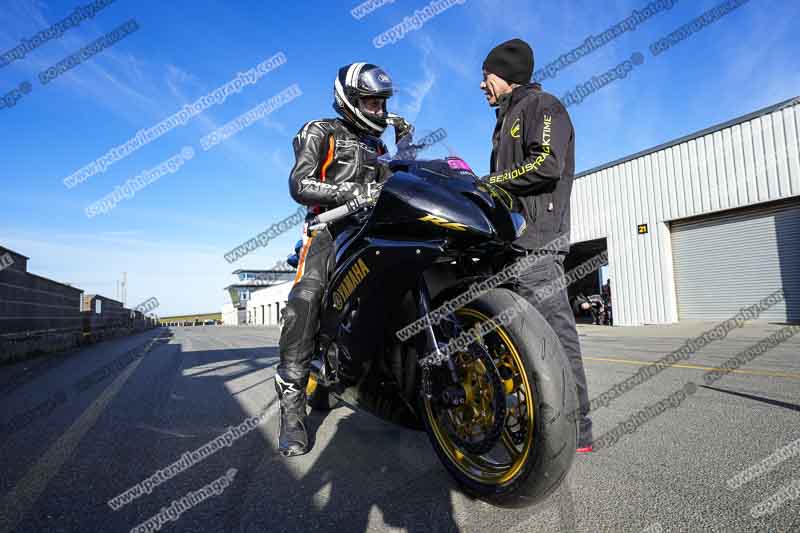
80,428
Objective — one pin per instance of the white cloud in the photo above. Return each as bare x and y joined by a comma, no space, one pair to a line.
105,78
411,106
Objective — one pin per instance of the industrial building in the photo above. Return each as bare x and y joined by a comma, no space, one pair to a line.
199,319
701,226
695,228
264,307
256,298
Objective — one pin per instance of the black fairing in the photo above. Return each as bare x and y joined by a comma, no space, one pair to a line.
427,213
421,188
359,323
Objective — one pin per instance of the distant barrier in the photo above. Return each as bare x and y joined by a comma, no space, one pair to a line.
21,346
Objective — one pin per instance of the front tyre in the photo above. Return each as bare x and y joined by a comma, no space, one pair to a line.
511,437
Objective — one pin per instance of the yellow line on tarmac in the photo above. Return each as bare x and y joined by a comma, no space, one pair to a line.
769,373
23,496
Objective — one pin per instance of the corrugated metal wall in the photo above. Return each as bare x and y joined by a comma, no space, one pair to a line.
732,260
752,162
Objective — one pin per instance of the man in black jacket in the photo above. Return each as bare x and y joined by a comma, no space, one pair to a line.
336,160
533,159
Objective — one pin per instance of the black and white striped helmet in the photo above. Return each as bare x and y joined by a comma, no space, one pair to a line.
354,82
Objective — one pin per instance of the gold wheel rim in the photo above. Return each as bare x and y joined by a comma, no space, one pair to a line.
481,468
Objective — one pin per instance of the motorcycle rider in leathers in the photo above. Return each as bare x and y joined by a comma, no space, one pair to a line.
336,160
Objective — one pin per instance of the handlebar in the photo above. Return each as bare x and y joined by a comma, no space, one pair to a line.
348,208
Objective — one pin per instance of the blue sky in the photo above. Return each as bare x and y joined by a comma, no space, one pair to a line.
171,236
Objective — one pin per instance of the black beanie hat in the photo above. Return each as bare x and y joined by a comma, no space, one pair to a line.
511,60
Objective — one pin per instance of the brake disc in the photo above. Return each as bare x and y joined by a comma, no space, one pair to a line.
496,412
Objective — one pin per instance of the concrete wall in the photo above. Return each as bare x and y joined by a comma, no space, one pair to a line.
231,316
40,316
32,303
112,314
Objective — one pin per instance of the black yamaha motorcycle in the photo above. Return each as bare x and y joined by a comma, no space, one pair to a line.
498,412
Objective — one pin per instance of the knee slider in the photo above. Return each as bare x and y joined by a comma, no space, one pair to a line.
296,307
296,315
307,291
289,315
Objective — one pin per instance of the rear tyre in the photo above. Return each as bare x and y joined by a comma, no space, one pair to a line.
535,398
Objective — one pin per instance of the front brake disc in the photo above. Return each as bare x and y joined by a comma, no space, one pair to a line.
491,435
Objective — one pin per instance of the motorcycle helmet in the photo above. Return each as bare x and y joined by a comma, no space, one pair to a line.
355,82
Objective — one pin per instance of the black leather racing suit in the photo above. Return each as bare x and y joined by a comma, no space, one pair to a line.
332,161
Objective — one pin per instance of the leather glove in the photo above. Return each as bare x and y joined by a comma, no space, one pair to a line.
348,191
373,191
402,128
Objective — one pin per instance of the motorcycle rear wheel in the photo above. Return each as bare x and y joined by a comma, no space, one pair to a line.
539,435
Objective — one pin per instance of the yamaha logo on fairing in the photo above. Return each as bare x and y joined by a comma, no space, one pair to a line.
351,280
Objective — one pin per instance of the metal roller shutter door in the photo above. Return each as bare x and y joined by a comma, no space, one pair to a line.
728,261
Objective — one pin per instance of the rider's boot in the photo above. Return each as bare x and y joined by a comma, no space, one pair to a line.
292,435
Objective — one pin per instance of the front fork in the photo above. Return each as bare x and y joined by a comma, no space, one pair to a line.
428,346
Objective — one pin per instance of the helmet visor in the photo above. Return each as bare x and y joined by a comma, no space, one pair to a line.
375,82
374,108
373,105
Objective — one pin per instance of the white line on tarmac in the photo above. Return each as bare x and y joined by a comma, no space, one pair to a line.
164,431
23,496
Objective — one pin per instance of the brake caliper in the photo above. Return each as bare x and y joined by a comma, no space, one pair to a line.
517,416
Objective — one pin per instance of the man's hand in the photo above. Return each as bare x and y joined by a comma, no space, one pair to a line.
373,191
402,128
348,191
368,192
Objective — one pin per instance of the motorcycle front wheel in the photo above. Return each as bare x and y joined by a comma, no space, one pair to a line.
511,438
